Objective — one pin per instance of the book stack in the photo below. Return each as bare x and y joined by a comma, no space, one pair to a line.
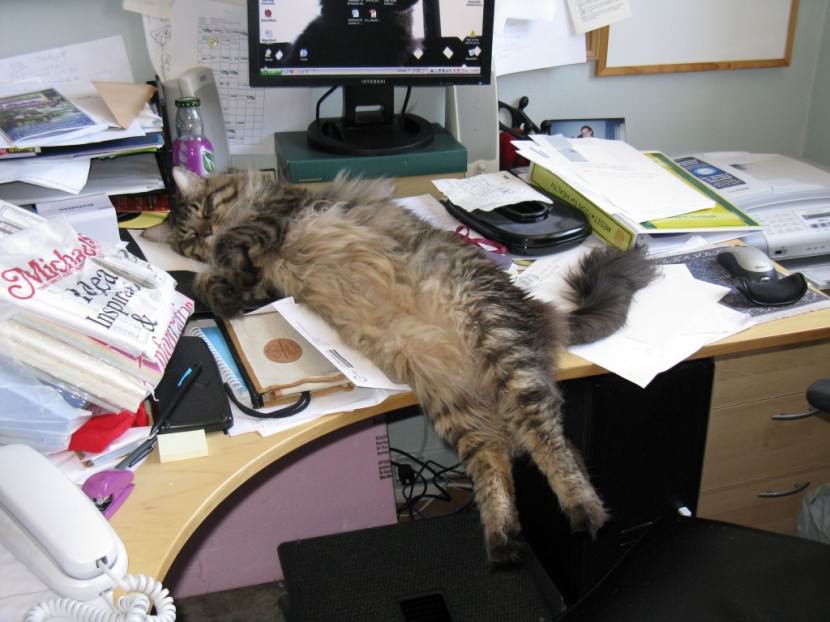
92,322
413,170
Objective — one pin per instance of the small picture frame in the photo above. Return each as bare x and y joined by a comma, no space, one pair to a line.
611,128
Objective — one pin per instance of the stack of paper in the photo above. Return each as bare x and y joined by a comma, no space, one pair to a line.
93,320
629,196
48,139
61,130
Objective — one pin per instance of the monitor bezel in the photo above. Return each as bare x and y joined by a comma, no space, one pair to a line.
412,80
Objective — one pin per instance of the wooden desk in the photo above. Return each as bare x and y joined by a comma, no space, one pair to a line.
171,500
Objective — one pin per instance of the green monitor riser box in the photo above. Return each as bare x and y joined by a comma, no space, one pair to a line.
297,162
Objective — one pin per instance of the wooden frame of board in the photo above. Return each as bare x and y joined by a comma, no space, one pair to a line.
673,50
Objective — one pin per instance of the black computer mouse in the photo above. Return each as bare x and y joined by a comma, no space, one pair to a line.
747,262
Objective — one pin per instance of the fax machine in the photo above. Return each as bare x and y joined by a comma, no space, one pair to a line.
789,197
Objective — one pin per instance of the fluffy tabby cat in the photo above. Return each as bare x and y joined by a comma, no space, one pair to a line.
427,308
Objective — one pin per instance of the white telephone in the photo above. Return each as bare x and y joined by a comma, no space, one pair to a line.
54,529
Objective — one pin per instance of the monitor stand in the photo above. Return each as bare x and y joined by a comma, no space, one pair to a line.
369,126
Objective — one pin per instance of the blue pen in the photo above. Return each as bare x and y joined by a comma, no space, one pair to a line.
184,383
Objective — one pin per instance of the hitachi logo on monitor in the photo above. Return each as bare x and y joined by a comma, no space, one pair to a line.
373,81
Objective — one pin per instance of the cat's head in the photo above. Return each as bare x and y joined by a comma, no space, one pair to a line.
199,209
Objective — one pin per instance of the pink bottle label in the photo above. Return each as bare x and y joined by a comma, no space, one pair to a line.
194,153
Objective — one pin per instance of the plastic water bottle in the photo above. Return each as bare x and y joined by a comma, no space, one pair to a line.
192,149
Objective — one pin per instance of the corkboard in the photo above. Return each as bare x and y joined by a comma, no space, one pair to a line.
664,36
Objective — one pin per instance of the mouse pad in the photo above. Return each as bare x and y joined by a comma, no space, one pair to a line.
704,266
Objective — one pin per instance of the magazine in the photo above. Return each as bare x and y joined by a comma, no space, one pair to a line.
106,293
35,117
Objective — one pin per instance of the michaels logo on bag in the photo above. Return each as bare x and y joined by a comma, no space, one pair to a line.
23,282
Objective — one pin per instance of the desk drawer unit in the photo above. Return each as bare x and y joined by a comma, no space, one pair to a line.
759,463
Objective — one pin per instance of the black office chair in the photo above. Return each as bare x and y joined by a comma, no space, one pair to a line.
693,569
682,569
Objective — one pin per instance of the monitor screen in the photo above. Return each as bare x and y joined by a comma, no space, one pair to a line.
350,42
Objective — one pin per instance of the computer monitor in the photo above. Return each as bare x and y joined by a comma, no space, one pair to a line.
368,47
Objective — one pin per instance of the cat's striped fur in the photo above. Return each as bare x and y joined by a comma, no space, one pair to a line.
427,308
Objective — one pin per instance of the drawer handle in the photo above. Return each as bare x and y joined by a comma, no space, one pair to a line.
797,488
796,416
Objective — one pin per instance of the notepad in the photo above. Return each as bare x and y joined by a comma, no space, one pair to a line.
182,445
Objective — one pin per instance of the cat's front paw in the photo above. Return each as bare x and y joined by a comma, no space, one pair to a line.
234,255
222,295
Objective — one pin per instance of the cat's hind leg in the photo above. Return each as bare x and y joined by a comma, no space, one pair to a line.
486,455
534,417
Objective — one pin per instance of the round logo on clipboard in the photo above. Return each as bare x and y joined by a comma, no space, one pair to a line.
283,350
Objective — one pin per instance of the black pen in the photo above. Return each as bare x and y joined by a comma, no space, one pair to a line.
185,382
137,454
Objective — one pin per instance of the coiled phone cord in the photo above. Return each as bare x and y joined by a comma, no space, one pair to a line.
133,607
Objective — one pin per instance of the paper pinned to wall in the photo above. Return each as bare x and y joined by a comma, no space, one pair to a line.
527,44
153,8
215,34
543,10
589,15
102,59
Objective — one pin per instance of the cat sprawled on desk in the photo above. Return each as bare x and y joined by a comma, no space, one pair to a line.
427,308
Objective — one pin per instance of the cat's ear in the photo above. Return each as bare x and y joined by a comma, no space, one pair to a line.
161,232
188,182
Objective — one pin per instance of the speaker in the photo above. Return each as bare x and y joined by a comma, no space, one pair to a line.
199,82
430,570
472,117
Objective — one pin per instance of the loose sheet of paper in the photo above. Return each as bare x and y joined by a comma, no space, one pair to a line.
660,332
488,191
101,59
92,215
351,363
428,208
161,255
320,406
539,39
544,279
542,10
65,174
592,14
630,182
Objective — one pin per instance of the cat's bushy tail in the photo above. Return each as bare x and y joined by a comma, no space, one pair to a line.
601,288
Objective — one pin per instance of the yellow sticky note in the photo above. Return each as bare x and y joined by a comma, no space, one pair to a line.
182,445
